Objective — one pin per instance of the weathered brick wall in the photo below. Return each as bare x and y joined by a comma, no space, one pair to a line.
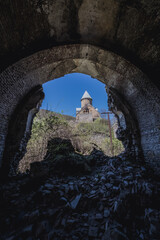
9,101
142,96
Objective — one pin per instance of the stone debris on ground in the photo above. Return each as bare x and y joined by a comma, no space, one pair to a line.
118,200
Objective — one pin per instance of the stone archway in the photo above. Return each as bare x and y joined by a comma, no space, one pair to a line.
129,82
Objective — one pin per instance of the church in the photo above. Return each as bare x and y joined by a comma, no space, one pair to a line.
87,113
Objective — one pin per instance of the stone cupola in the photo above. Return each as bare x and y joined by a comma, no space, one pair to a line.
86,99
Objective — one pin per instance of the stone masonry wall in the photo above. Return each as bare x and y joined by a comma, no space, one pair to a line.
85,117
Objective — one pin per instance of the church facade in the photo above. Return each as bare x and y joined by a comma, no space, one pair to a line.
87,113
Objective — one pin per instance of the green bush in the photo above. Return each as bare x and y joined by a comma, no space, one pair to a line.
116,144
43,129
46,125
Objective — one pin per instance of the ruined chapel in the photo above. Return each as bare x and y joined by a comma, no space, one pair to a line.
87,113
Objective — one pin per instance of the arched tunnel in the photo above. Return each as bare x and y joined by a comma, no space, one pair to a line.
116,42
126,86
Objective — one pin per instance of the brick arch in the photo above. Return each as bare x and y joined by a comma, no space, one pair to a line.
129,82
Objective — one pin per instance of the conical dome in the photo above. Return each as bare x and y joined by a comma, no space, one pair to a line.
86,95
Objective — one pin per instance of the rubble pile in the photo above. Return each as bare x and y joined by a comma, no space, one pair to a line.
118,200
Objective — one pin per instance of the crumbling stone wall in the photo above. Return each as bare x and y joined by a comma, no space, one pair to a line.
129,82
19,130
128,130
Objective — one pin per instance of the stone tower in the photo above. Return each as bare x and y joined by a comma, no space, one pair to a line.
87,113
86,99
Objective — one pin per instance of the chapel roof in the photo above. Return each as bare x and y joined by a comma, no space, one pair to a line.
86,95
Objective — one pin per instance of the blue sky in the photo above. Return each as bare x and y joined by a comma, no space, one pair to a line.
64,94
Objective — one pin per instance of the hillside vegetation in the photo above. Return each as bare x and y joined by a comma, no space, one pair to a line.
83,136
